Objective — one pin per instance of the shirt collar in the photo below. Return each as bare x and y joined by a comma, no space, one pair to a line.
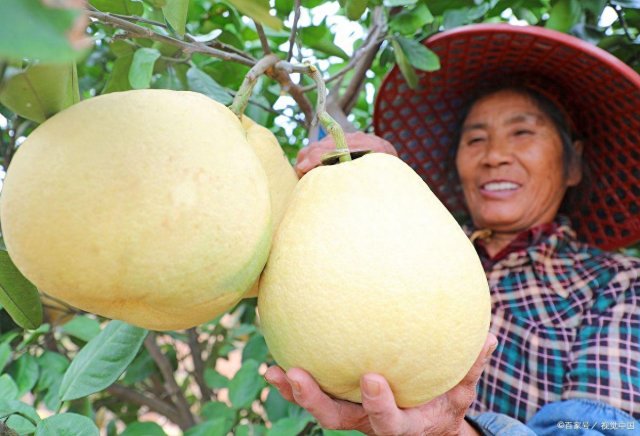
538,246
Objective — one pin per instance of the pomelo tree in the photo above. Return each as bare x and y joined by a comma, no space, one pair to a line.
63,370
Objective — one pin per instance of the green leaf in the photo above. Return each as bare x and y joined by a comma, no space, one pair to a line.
52,367
405,66
246,385
453,18
410,21
256,349
142,67
124,7
216,409
18,296
320,38
564,15
143,429
67,424
102,360
418,55
5,355
218,426
8,388
82,327
200,82
214,379
276,406
30,29
41,90
8,407
355,8
119,77
259,11
33,336
250,430
25,372
141,368
175,12
288,426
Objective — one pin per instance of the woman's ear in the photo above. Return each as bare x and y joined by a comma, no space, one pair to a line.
575,167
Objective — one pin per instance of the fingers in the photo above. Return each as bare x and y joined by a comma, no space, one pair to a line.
276,377
378,401
330,413
471,379
310,157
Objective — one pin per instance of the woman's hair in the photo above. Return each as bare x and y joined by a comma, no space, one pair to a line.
556,114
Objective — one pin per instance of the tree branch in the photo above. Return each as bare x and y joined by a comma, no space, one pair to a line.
198,364
263,38
186,417
294,29
379,30
188,47
372,45
124,393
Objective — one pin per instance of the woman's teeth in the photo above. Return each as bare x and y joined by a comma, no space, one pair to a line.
500,186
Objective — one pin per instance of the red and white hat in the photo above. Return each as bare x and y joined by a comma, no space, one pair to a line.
600,94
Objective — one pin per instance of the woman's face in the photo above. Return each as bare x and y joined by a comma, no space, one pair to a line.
510,163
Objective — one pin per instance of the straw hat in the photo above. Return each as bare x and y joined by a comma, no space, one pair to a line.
599,92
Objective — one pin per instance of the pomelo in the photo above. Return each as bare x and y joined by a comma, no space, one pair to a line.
147,206
369,272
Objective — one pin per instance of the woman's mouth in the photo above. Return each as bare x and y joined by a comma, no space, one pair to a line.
499,189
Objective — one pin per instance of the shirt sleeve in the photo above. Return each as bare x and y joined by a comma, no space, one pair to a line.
604,362
582,418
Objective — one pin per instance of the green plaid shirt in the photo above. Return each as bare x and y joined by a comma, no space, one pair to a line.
567,318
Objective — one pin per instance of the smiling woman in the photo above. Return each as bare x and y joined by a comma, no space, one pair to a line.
566,314
510,160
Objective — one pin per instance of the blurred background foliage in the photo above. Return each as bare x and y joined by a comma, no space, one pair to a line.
53,53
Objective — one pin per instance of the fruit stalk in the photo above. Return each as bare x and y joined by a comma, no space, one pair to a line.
332,127
241,99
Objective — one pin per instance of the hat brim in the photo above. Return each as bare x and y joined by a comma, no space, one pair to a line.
600,93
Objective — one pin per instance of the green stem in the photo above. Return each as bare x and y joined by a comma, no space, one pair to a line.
332,127
241,100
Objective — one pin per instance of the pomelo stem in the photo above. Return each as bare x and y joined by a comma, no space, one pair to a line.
332,127
241,99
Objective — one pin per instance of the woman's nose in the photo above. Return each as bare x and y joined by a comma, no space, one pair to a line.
497,152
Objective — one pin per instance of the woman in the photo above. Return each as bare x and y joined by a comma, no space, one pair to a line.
565,313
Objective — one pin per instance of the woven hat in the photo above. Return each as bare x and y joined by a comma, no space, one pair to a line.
599,92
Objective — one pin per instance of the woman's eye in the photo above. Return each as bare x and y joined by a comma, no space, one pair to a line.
476,140
523,132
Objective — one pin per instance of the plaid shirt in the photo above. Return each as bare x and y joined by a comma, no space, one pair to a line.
567,318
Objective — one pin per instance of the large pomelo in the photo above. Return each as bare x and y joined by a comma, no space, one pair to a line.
370,273
281,176
146,206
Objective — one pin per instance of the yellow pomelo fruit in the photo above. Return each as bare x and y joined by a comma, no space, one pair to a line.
147,206
281,176
370,273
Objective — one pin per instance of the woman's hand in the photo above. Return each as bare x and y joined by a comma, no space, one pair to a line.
378,413
310,156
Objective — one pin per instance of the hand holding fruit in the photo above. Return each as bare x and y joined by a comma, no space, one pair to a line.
378,413
311,156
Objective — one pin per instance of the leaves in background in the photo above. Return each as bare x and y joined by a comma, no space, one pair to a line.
175,12
200,82
67,424
141,68
82,327
320,38
259,11
355,8
41,90
564,15
143,429
405,66
246,385
124,7
18,296
102,360
410,21
418,55
29,29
